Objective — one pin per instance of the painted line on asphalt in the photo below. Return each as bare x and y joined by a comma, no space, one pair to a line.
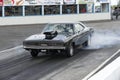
12,52
14,48
102,65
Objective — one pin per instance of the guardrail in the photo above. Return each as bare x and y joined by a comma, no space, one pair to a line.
50,18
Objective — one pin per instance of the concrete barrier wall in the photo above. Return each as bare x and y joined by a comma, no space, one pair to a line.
53,18
110,72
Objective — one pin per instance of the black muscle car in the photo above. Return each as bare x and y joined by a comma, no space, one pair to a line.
58,37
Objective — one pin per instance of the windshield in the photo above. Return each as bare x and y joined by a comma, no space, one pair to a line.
60,28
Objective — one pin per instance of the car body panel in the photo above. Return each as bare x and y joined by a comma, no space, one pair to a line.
57,39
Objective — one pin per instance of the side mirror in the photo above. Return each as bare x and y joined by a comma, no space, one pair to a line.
91,29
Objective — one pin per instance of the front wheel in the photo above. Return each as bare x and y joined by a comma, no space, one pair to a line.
85,44
70,51
34,53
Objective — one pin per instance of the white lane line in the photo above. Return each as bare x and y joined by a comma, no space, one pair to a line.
99,67
7,50
8,53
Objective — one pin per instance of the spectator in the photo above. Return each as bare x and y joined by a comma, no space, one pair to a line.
116,12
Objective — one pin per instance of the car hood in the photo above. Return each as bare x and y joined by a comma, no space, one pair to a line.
42,37
36,37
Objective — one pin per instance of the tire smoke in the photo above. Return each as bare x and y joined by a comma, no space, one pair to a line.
103,39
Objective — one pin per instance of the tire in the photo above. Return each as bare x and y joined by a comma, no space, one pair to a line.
34,53
85,44
70,51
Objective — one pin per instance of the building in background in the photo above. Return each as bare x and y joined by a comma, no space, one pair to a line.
118,4
102,5
43,11
114,2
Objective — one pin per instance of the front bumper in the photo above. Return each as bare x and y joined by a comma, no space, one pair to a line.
41,47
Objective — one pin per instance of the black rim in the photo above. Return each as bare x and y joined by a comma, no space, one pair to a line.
34,53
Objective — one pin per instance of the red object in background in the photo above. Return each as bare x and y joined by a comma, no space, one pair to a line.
1,2
12,1
83,10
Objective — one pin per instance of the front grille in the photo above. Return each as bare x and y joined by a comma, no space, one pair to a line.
31,43
43,43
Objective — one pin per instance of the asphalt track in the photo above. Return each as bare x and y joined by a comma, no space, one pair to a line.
17,64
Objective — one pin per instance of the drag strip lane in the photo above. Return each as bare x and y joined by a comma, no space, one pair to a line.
84,63
19,65
46,67
15,60
9,53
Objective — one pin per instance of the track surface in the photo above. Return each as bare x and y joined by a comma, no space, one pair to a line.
17,64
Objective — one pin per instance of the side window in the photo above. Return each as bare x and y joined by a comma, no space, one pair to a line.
69,28
78,28
60,28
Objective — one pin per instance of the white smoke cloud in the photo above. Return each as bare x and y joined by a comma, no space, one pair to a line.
102,39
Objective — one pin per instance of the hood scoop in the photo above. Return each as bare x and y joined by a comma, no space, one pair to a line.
50,34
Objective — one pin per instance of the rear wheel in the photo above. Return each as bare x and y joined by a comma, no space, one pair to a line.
70,51
34,53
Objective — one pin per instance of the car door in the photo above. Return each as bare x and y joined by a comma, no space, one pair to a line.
81,34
